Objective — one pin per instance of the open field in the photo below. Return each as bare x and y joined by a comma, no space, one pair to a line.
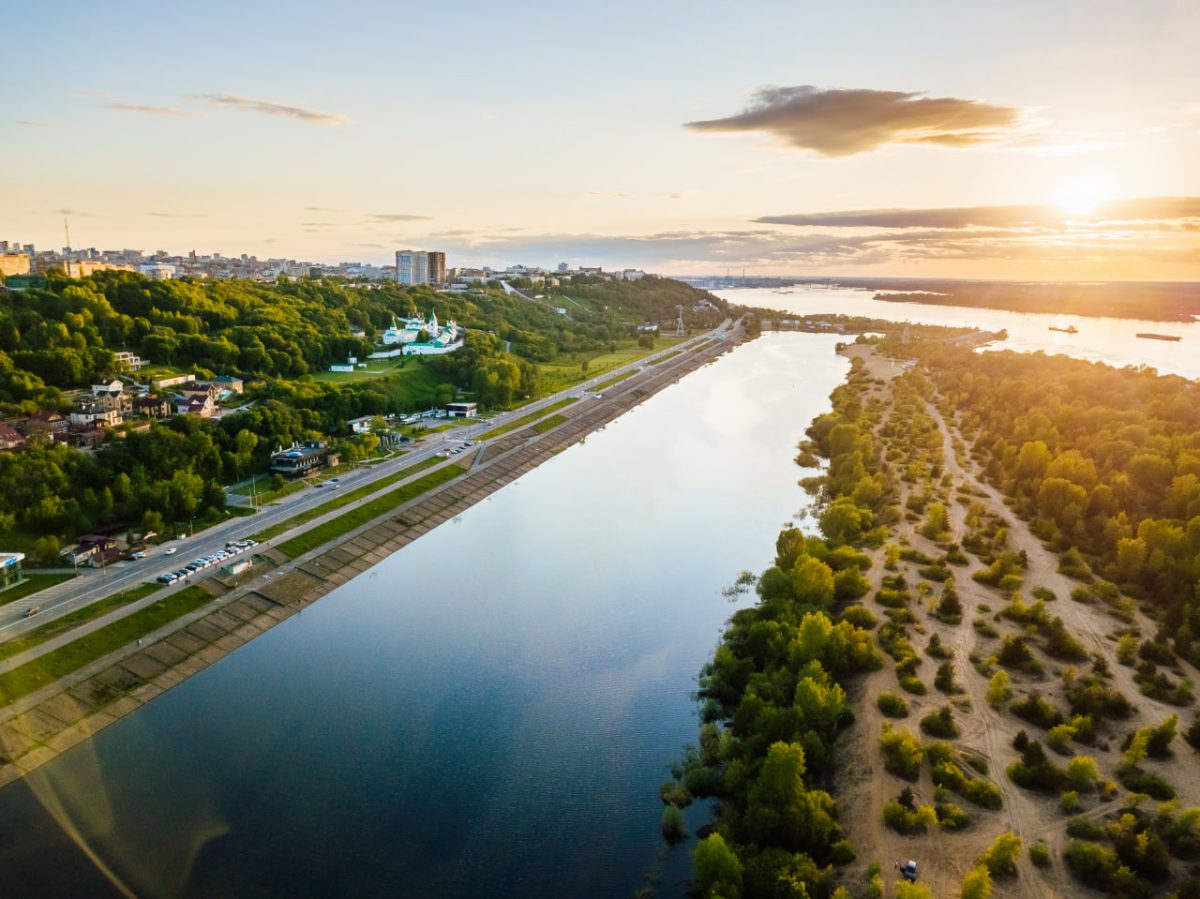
375,368
567,370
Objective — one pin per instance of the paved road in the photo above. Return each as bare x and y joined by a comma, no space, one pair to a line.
92,584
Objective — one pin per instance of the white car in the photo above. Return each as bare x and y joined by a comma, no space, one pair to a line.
170,551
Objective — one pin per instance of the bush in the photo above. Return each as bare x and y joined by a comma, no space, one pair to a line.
902,752
1084,828
951,816
903,819
892,705
1091,864
1068,802
940,723
998,692
1039,854
672,826
977,884
859,616
1139,781
1001,857
1036,710
944,679
672,792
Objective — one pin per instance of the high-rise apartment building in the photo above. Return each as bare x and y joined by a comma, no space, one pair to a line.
420,267
437,267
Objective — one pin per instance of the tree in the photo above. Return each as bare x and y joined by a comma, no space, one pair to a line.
998,692
812,582
717,870
977,884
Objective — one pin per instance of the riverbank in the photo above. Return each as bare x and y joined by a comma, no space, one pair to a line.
45,723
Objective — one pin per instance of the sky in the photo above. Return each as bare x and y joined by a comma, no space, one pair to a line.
1025,140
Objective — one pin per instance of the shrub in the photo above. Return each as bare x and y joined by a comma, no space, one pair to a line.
944,679
905,820
1084,828
977,884
902,752
951,816
1039,854
1068,802
892,705
935,649
998,692
1139,781
1014,653
1001,857
859,616
672,826
1036,710
672,792
1059,738
1091,864
1083,772
940,723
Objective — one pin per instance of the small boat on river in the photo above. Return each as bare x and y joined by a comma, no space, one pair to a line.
1069,329
1148,335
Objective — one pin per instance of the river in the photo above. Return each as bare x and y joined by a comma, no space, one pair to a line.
1110,340
488,712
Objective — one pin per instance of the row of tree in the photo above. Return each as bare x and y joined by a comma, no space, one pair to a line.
773,698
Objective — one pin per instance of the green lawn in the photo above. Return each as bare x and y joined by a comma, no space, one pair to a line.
75,655
521,422
265,494
375,368
344,499
553,421
604,385
666,358
343,524
566,370
33,583
71,620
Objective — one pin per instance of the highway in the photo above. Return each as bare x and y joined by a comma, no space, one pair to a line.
92,584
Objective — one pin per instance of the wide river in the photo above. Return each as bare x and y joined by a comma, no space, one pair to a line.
1110,340
488,712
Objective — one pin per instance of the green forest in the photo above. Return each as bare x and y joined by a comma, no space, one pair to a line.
275,336
1104,462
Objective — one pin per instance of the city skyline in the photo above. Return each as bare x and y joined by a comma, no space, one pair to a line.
1021,142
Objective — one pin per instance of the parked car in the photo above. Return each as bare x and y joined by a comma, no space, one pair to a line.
140,554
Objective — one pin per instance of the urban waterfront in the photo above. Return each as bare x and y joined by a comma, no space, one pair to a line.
496,704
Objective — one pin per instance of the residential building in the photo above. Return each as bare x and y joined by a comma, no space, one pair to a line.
149,406
200,404
14,264
360,425
302,459
437,267
129,361
10,438
157,271
412,267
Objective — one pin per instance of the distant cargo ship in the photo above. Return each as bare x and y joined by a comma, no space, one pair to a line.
1069,329
1149,336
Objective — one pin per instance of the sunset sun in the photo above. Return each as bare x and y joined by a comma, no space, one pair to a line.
1083,196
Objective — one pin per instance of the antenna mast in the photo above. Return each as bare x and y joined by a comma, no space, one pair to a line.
67,248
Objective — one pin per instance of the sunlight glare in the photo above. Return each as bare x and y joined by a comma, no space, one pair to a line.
1083,196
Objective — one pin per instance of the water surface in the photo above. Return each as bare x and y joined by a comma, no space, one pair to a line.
1110,340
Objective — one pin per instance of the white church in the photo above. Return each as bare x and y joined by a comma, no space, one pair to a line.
404,333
